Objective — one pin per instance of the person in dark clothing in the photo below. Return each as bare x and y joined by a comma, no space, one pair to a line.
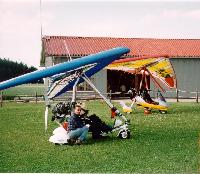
132,93
147,98
76,128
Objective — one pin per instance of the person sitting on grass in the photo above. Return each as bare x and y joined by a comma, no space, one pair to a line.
76,128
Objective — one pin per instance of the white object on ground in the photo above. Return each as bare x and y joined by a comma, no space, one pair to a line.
125,108
59,136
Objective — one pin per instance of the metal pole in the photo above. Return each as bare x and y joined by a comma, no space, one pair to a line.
47,103
36,97
73,102
74,93
197,97
104,98
177,91
110,95
95,89
136,83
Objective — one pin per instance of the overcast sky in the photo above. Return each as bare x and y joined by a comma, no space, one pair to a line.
20,22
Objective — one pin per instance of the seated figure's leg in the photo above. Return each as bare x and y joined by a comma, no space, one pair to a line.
84,132
75,133
79,133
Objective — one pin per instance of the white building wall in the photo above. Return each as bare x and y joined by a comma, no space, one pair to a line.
188,77
48,62
100,81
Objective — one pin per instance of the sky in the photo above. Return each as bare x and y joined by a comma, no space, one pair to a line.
21,22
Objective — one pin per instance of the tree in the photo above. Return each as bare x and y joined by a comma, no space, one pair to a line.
10,69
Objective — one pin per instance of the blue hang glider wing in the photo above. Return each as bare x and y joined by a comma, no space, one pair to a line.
64,81
67,73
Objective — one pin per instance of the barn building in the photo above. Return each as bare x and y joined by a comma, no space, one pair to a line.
184,55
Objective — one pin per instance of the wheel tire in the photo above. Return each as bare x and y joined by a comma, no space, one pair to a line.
162,112
124,134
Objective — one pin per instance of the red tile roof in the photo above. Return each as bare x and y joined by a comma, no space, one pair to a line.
81,46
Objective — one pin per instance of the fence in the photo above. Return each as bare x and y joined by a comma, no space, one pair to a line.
178,95
23,98
27,98
90,95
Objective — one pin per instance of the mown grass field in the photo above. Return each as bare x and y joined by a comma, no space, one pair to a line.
159,143
27,89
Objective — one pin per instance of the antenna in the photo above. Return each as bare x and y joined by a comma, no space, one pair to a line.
41,19
67,49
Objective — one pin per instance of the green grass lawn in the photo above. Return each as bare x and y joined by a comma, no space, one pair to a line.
159,143
27,89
